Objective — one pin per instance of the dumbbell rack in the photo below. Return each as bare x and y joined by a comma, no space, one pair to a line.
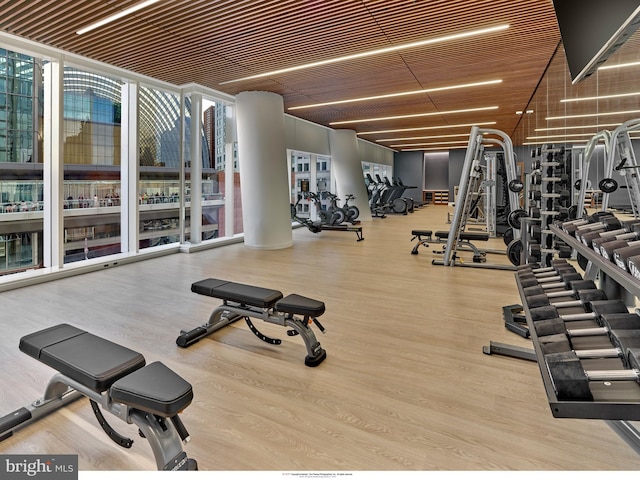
617,403
549,195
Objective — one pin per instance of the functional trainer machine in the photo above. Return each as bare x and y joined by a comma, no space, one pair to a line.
240,301
470,184
115,379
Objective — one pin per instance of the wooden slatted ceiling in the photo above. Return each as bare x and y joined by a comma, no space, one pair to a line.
209,42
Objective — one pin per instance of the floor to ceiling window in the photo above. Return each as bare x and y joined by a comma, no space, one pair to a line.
91,149
21,176
159,142
94,213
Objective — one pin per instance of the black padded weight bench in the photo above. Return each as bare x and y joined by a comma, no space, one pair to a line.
113,378
240,301
465,241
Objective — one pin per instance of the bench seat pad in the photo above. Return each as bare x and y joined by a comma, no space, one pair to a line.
89,360
155,388
299,305
426,233
237,292
478,236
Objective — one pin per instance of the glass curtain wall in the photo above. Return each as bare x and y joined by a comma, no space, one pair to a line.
21,174
159,167
213,170
92,109
310,173
93,136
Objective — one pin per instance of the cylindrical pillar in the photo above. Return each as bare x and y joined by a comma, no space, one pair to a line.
345,160
264,185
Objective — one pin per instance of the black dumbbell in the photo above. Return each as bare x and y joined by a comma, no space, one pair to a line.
592,309
547,274
581,297
621,255
596,220
588,237
562,280
554,272
537,268
610,323
633,266
571,381
605,245
572,288
559,343
594,230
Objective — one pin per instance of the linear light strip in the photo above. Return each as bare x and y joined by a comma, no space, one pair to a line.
599,97
429,137
539,142
116,16
600,114
538,137
429,41
428,143
437,149
576,127
435,127
620,65
399,94
415,115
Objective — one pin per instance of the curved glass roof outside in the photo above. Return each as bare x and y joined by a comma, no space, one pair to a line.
159,114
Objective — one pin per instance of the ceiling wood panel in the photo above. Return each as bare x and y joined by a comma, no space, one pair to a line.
211,42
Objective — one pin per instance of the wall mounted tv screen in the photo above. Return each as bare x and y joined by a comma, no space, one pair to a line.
592,30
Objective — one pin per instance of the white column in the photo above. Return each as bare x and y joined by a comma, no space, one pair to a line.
195,210
264,185
345,162
229,172
129,185
53,165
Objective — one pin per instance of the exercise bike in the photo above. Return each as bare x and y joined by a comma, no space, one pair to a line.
340,214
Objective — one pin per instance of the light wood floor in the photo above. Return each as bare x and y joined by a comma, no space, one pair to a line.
405,385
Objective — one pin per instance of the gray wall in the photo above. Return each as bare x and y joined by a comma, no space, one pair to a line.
441,171
408,166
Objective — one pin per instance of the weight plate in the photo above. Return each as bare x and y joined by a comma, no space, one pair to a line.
516,186
514,252
608,185
515,217
507,236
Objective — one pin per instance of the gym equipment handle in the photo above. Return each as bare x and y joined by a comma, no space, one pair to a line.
181,429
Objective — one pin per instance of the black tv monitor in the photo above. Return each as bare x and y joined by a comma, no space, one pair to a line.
591,30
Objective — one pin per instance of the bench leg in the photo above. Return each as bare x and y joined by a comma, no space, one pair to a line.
164,440
219,318
424,243
315,353
57,395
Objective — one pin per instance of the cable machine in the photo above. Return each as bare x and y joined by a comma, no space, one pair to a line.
471,183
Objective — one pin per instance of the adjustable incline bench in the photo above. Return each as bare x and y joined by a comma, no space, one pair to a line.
112,377
245,301
424,238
